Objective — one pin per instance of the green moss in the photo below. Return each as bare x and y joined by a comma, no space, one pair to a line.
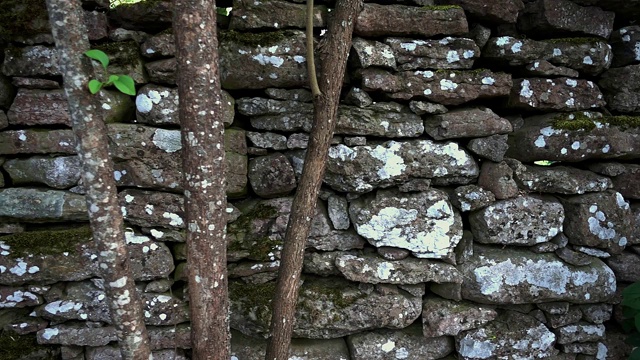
14,346
253,39
23,18
121,53
582,122
333,293
574,41
440,7
255,297
53,242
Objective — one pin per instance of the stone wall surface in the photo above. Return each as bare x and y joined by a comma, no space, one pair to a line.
481,198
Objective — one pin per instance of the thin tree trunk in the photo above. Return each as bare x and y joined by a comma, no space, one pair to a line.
333,60
203,159
70,35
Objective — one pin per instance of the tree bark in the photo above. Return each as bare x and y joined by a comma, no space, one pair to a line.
203,159
333,59
70,34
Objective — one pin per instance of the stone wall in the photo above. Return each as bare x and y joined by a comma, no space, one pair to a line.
481,199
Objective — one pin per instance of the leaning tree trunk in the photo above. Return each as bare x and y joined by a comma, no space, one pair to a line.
70,34
203,159
333,59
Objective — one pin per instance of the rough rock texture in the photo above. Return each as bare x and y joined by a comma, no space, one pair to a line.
580,333
271,175
501,11
408,343
471,198
624,44
372,53
447,53
424,223
465,123
562,94
38,60
338,212
159,46
445,87
252,15
442,317
57,172
523,220
491,148
495,276
557,179
564,17
247,348
362,168
498,179
628,182
38,205
620,86
626,266
141,208
37,142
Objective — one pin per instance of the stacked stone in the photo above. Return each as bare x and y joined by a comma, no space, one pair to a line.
437,234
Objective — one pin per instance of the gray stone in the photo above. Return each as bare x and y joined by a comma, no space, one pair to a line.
590,348
355,141
124,59
540,139
358,97
362,168
4,122
580,333
76,334
159,286
628,183
371,269
268,140
113,353
152,208
562,17
338,212
554,308
573,257
545,247
444,87
592,252
34,83
37,142
620,86
38,60
543,68
512,335
561,94
162,71
596,313
302,95
464,123
159,46
587,55
120,34
40,205
57,172
17,297
498,179
372,53
572,316
608,168
480,34
248,348
393,254
492,147
250,15
442,317
502,11
447,53
626,266
425,22
298,141
520,221
425,107
322,263
346,309
424,223
602,220
398,344
624,42
471,198
557,179
415,185
496,276
271,175
11,228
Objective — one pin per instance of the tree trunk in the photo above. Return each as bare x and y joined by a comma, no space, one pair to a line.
125,307
203,159
333,60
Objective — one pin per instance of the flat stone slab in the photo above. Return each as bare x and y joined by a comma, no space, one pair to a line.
518,276
466,123
564,17
424,223
561,94
557,179
444,87
620,86
247,348
447,53
442,317
500,11
38,60
363,168
28,141
248,15
60,172
42,205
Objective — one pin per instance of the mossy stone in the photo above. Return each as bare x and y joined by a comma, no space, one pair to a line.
46,242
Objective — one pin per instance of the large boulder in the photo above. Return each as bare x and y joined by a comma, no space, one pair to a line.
424,222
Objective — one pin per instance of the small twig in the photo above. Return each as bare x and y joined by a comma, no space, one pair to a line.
311,65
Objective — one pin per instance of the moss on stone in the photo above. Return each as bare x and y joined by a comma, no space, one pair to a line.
333,293
14,346
49,242
121,53
17,16
574,40
440,7
581,121
253,39
254,297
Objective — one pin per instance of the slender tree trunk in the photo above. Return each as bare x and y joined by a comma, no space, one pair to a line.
333,60
203,159
70,35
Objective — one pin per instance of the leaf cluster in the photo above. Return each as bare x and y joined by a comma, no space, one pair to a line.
631,313
124,83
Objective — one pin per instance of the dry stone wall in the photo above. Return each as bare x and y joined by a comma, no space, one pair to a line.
481,198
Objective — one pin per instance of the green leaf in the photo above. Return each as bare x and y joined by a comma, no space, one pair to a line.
629,312
631,303
126,85
632,291
635,354
113,78
100,56
95,86
633,339
637,321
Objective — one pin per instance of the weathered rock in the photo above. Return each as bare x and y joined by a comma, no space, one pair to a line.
322,263
17,297
162,71
158,46
580,333
372,269
297,141
49,107
447,53
596,313
593,252
40,205
120,34
621,86
271,175
158,105
444,87
562,94
562,17
414,185
346,309
250,15
248,348
498,179
471,198
545,247
425,107
602,220
464,123
97,24
378,20
142,208
573,257
302,95
113,353
492,147
592,138
608,168
362,168
393,254
543,68
496,276
626,266
407,344
372,53
520,221
6,92
381,119
589,348
587,55
554,308
424,223
625,44
76,334
358,97
34,83
57,172
628,183
512,335
557,179
572,316
4,122
503,11
38,60
442,317
70,255
338,212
